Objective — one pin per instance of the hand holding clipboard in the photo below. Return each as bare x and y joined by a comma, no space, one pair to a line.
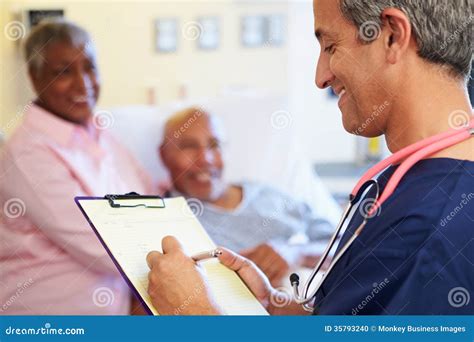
129,226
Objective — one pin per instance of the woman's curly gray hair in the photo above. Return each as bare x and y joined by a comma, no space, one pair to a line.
50,31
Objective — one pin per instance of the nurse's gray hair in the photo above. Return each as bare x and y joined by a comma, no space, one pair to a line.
442,28
50,31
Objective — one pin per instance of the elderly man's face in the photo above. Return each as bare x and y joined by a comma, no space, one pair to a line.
355,71
68,82
194,158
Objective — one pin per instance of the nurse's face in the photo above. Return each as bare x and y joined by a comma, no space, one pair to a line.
194,158
68,82
354,70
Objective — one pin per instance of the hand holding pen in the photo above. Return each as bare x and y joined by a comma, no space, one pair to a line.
207,255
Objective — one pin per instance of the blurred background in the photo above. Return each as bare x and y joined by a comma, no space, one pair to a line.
253,62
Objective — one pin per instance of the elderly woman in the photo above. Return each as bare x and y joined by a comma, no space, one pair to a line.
50,260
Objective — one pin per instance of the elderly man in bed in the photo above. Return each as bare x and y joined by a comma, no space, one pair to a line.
255,220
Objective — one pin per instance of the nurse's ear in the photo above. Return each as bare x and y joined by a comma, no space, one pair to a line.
397,35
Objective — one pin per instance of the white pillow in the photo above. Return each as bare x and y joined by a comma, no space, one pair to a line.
262,144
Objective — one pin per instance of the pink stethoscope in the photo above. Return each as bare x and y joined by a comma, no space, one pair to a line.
407,157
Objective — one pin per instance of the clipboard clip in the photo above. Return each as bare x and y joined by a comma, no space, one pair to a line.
133,196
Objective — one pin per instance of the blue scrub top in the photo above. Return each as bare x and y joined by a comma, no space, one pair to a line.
417,256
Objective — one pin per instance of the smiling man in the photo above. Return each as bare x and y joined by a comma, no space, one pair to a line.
260,222
416,56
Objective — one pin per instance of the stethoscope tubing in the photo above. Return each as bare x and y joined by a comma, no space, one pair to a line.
410,156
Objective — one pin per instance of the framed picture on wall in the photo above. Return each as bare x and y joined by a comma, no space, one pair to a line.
253,30
275,30
33,17
166,35
263,30
209,36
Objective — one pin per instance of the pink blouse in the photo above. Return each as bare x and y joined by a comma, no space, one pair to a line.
51,262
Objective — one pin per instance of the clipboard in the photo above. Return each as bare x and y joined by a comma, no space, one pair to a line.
131,225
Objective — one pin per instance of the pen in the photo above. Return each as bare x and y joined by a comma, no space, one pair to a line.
207,255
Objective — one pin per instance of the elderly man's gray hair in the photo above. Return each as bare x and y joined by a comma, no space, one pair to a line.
52,31
442,28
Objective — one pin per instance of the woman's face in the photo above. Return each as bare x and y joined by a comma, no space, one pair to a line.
68,82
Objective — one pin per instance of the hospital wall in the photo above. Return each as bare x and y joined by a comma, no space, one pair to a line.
131,69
